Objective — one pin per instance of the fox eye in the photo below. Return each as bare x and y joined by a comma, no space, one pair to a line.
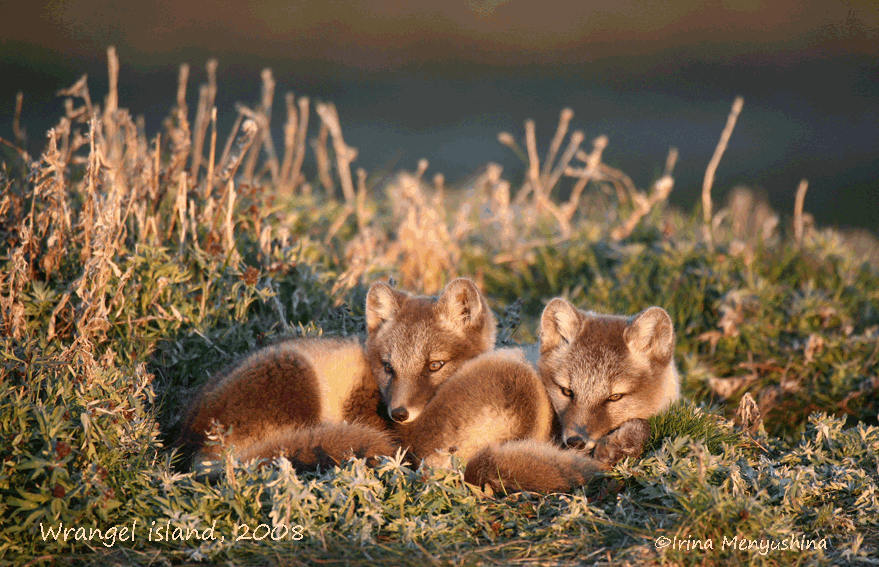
614,397
435,365
567,392
388,368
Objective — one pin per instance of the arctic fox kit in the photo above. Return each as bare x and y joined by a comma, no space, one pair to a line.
320,401
605,375
493,398
416,344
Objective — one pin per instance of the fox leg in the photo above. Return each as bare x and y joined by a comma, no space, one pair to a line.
627,440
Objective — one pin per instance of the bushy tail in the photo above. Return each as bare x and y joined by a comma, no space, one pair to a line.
324,446
533,466
310,448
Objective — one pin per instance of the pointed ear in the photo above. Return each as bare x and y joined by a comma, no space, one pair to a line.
559,324
382,303
462,305
651,334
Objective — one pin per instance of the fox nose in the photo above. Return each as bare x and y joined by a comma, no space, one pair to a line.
399,415
577,442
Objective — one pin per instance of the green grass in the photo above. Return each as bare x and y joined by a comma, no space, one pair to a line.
126,283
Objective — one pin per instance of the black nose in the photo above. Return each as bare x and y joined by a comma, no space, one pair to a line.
399,415
575,442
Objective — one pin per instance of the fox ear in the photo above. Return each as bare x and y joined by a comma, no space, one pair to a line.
462,305
382,303
651,333
559,323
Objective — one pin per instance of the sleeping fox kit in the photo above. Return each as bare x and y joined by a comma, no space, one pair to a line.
322,400
605,376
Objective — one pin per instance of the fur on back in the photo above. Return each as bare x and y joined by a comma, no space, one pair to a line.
494,398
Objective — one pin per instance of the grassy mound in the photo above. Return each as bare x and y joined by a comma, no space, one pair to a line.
132,268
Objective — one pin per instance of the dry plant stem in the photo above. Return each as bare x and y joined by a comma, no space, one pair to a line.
229,239
182,79
199,130
533,163
593,160
344,154
289,141
361,199
252,155
206,99
564,121
577,138
300,141
507,139
712,167
213,154
268,94
798,211
112,105
322,157
670,161
16,121
244,142
227,148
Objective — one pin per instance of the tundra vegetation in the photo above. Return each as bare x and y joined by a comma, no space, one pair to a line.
134,266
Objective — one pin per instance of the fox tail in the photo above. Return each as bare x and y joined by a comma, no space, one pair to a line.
533,466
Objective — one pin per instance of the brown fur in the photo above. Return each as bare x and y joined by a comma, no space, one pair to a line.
323,446
587,359
272,398
408,333
532,466
493,398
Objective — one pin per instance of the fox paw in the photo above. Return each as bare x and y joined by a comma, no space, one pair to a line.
627,440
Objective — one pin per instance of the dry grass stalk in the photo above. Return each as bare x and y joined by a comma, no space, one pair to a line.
296,178
227,147
20,138
178,131
262,117
798,211
508,140
592,160
79,89
206,99
533,164
268,94
344,154
643,204
287,183
574,142
497,193
564,121
361,199
249,131
229,232
209,183
111,106
322,157
712,167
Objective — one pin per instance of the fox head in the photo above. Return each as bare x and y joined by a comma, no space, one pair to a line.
602,370
415,343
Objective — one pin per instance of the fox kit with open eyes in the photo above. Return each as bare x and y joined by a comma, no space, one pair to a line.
605,376
320,401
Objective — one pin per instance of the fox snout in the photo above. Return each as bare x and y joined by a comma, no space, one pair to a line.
402,411
400,414
577,442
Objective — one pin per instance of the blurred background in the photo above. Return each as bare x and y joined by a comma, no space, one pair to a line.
439,80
